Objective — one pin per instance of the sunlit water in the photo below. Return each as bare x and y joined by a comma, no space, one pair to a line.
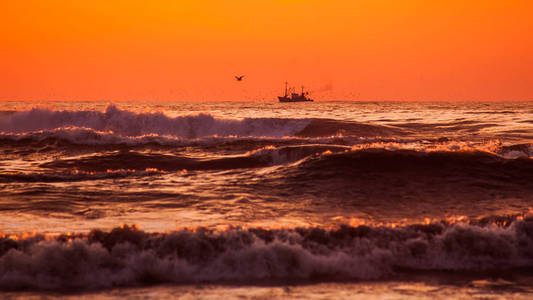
343,192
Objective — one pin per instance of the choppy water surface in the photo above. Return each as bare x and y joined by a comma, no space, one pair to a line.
265,193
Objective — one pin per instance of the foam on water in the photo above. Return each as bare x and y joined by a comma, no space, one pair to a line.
128,257
127,123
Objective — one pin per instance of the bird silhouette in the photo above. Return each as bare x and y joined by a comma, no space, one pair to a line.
239,78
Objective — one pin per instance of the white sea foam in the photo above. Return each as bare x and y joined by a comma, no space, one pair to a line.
126,257
127,123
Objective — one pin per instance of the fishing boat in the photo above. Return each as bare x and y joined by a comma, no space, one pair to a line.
291,96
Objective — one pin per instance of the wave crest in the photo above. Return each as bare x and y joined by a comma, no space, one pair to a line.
127,123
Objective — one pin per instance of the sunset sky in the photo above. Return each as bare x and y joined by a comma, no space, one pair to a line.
339,49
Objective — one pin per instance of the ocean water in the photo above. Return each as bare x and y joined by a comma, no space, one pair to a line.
261,199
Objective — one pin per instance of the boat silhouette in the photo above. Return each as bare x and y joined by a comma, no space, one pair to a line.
291,96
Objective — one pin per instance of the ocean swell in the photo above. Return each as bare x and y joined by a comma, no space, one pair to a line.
404,162
370,177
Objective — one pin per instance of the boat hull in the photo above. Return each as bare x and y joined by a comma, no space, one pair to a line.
287,99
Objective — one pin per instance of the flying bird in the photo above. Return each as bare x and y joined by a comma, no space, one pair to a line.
239,78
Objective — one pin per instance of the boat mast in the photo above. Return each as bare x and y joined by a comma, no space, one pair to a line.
286,83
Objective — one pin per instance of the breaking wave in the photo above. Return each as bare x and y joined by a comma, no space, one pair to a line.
127,256
127,123
121,126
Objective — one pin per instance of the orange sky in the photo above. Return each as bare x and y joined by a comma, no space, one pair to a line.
341,49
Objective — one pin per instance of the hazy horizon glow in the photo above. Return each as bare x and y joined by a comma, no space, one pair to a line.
340,49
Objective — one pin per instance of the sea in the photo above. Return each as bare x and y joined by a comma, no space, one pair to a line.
266,200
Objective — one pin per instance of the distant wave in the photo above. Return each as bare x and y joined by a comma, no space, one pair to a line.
115,125
129,257
70,136
314,163
328,127
127,123
118,164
